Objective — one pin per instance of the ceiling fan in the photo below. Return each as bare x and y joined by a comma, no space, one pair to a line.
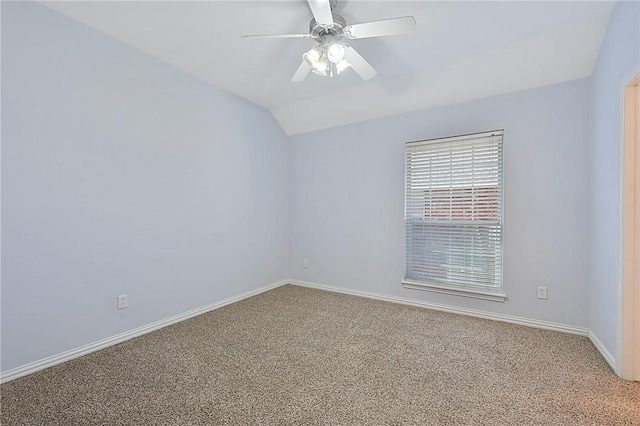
332,55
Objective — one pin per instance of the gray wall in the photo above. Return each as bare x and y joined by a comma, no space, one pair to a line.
347,189
619,55
121,174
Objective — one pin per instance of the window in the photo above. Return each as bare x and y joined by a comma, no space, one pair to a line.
453,215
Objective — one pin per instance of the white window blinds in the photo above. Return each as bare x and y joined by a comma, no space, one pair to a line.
453,213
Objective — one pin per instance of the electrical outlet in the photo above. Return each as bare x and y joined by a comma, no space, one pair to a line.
305,263
542,293
123,301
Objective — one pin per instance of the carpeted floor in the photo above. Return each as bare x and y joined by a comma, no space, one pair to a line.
300,356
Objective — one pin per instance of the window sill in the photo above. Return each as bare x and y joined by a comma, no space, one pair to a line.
476,294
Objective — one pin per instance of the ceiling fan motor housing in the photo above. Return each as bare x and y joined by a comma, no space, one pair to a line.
321,32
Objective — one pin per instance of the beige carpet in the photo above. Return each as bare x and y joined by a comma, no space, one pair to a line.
300,356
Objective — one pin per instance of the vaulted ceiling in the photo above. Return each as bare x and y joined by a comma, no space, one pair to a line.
459,51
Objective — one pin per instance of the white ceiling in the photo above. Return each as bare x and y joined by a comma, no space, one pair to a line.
460,51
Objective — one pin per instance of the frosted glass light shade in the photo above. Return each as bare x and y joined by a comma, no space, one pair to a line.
335,53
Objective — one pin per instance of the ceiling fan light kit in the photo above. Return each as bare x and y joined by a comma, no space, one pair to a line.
331,56
326,60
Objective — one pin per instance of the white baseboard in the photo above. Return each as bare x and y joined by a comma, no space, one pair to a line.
447,308
603,350
122,337
32,367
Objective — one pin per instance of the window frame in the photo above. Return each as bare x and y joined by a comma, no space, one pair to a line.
462,289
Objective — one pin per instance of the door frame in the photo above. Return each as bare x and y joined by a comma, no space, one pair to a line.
628,364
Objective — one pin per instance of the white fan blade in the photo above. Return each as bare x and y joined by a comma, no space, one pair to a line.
302,72
321,10
277,36
358,63
385,27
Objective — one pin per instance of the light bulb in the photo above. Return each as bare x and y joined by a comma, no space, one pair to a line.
312,57
342,65
335,52
320,67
